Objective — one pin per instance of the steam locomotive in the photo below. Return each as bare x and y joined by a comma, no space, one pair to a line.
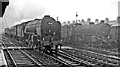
44,33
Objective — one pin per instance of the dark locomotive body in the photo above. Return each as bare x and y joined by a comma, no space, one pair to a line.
50,30
38,32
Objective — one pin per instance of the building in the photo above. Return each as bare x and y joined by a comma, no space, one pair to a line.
3,4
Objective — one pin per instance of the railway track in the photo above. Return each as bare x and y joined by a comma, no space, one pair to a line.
25,58
93,48
64,58
18,58
8,42
73,61
21,44
45,59
89,57
48,61
101,51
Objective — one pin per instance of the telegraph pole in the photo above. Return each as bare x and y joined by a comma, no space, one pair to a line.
76,17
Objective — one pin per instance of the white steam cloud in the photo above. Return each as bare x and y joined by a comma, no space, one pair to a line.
22,9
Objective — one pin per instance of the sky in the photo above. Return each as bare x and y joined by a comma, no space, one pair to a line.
21,10
119,8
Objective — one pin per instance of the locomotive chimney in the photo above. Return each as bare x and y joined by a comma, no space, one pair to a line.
57,18
47,16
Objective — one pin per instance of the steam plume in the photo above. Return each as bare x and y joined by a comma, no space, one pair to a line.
22,9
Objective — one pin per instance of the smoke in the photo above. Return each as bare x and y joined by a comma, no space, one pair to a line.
22,9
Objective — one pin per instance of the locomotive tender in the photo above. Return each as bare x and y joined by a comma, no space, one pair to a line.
44,33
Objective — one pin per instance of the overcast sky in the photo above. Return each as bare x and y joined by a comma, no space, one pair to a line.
65,9
119,9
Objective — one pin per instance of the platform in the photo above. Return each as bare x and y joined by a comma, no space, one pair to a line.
2,59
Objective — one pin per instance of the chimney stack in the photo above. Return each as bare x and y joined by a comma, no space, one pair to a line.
102,21
96,21
64,23
82,21
68,22
88,20
106,20
73,21
78,21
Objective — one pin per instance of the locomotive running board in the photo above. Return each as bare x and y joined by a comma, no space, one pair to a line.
17,48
